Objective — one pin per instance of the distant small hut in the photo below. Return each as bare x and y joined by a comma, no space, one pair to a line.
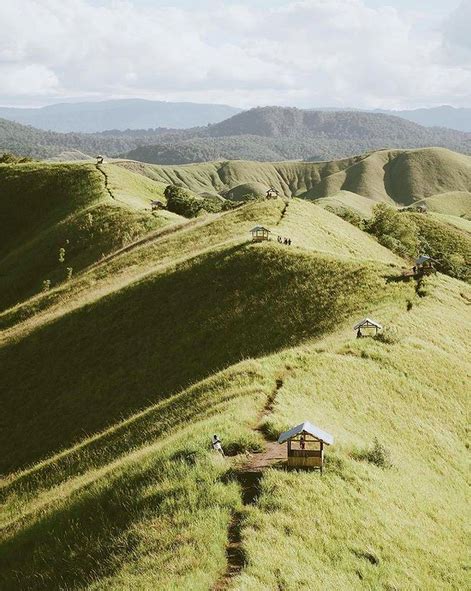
422,208
156,204
367,324
259,234
424,265
306,445
272,193
99,159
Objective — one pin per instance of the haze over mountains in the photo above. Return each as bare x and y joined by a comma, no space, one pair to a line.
444,116
123,114
265,134
89,117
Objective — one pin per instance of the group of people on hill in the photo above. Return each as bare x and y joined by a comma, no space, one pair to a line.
286,241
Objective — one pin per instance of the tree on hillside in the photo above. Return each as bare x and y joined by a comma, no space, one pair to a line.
180,201
394,230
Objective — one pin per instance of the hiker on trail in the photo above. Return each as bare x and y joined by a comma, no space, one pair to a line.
359,335
279,239
289,241
285,241
302,442
216,443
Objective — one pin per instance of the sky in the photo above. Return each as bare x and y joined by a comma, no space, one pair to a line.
390,54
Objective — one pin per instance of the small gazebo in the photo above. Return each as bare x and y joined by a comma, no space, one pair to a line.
99,159
424,264
306,445
259,234
272,193
367,323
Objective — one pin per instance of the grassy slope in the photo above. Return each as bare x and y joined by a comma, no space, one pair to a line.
144,505
395,176
47,207
457,203
164,504
363,206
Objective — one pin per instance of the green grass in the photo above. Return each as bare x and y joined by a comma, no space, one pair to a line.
114,381
49,207
456,203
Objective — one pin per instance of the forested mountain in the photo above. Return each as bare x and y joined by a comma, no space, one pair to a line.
118,114
265,134
277,133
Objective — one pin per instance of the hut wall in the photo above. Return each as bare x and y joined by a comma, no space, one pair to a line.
298,458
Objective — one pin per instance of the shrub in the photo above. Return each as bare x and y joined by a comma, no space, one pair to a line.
388,335
9,158
377,455
181,202
347,214
394,230
61,255
46,285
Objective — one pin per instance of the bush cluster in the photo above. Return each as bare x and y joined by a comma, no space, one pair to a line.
394,230
182,202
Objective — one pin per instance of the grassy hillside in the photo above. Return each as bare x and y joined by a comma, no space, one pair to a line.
115,380
398,177
456,203
60,217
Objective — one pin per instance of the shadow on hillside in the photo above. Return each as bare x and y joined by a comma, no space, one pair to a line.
91,537
92,367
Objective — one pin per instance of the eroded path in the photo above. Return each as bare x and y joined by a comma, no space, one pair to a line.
249,475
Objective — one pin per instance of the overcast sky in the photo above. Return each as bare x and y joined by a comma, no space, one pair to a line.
306,53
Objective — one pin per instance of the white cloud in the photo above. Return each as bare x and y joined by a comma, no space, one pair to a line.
311,52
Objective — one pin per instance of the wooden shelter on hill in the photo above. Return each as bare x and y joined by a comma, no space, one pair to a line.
306,445
424,265
368,324
272,193
99,159
259,234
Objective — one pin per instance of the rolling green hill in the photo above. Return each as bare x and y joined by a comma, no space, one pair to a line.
56,220
396,176
115,379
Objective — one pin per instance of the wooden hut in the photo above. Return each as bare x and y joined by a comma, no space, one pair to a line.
99,159
272,193
306,445
424,265
259,234
368,324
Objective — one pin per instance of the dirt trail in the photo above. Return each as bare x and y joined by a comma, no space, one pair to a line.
249,475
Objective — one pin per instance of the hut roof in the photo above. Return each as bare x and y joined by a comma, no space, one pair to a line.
367,322
306,427
258,228
423,258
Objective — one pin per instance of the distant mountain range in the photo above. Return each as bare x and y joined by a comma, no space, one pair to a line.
444,116
279,133
124,114
265,134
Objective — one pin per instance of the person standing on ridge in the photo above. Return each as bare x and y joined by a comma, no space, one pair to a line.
216,443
